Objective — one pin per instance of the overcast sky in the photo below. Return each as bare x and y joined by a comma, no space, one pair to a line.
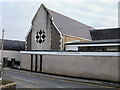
16,15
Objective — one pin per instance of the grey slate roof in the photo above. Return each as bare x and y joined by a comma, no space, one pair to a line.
69,26
105,34
13,45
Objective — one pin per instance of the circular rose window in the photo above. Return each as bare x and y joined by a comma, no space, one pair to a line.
40,36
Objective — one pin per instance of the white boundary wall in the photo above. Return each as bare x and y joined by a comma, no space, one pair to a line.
72,53
94,65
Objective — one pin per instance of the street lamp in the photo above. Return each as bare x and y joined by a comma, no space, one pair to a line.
1,63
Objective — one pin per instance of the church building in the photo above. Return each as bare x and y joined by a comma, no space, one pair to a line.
50,30
59,45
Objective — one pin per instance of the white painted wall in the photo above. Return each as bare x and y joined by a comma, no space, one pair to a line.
71,48
11,54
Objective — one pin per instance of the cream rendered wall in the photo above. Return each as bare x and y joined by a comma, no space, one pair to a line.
25,62
94,67
41,22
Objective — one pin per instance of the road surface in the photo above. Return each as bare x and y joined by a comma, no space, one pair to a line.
26,79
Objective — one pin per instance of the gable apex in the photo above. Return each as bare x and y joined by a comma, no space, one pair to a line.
42,5
66,25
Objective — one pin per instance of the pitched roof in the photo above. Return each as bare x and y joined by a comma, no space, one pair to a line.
13,45
70,26
105,34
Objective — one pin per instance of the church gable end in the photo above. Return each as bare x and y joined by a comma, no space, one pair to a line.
41,33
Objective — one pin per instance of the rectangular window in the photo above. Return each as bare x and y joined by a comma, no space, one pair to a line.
99,49
5,61
112,48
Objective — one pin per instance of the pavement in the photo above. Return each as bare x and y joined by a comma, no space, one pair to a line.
27,79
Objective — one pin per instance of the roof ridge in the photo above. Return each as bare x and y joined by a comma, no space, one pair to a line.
49,10
12,40
106,29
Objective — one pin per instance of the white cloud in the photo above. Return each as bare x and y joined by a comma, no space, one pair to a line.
17,16
89,13
0,19
106,0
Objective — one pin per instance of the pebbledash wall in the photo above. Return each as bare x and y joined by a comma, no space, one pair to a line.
93,65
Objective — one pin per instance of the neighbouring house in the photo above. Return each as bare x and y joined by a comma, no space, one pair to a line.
11,52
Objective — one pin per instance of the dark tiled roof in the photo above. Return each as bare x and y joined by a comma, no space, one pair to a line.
69,26
105,34
13,45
